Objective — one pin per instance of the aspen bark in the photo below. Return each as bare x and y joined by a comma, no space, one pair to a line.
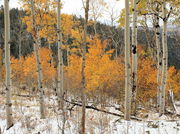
127,64
159,59
40,77
37,44
95,27
164,60
134,57
60,58
83,80
9,121
60,66
1,65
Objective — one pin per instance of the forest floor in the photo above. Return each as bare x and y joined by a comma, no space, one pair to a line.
26,120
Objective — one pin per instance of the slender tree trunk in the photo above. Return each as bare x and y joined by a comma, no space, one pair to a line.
83,81
40,76
134,57
116,48
20,47
95,27
60,66
171,101
37,44
1,65
164,60
159,59
8,65
146,30
127,64
60,58
20,35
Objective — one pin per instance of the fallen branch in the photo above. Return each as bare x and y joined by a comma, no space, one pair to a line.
171,113
101,110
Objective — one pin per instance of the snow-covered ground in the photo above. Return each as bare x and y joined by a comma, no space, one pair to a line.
27,121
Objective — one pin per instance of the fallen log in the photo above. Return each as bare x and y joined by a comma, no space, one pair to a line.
101,110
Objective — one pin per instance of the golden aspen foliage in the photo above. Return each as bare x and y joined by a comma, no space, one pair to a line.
45,19
147,83
17,70
25,69
73,72
101,72
173,81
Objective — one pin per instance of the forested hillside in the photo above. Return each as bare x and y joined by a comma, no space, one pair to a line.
76,74
105,31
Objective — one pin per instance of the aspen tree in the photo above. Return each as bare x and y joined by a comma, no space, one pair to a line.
157,43
96,7
127,64
60,65
164,59
8,65
159,59
60,58
134,56
83,79
1,65
37,44
112,14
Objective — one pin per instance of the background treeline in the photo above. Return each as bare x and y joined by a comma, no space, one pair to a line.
104,69
105,31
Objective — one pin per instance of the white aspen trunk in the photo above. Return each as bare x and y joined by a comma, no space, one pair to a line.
171,99
9,121
127,64
40,76
159,59
95,27
37,44
60,66
1,65
164,60
134,57
83,80
60,58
